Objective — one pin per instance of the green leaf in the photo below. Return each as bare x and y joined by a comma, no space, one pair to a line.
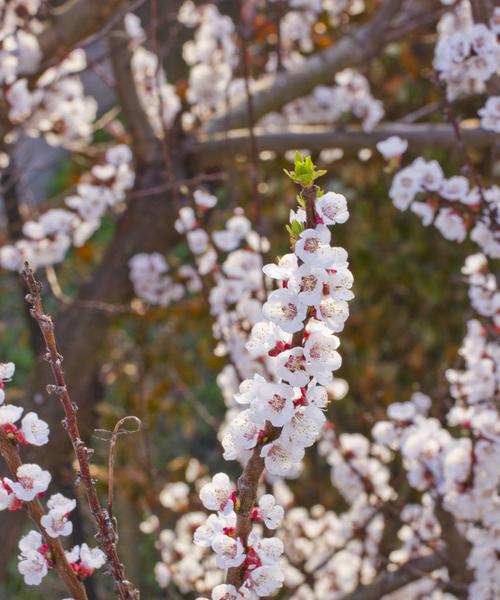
297,228
304,172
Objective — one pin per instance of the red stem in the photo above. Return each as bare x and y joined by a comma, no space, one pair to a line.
106,535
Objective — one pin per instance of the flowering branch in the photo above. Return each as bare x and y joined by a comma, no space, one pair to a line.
249,479
106,530
58,558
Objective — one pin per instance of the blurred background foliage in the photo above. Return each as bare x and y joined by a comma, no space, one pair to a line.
406,324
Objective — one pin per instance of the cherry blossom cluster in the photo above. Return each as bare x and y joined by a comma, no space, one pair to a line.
457,473
50,103
467,54
329,553
358,467
31,483
328,104
461,471
212,56
150,273
57,107
35,561
296,26
284,416
300,320
259,559
157,97
192,567
152,282
189,566
49,237
455,207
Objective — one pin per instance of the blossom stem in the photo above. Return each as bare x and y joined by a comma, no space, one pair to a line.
249,479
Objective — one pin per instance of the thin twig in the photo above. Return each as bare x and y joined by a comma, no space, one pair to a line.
106,535
62,297
117,431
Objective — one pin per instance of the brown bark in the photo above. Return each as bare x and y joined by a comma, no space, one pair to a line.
209,150
391,581
106,532
72,23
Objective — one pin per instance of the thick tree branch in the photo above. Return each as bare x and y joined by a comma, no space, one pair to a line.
209,150
274,92
74,22
457,547
144,143
391,581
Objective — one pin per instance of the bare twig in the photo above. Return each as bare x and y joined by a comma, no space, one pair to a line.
106,535
468,163
117,431
56,289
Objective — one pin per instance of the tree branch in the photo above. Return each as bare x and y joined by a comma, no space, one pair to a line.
72,23
391,581
482,11
274,92
208,150
457,546
144,143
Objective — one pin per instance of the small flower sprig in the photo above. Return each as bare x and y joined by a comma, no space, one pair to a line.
106,535
40,550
